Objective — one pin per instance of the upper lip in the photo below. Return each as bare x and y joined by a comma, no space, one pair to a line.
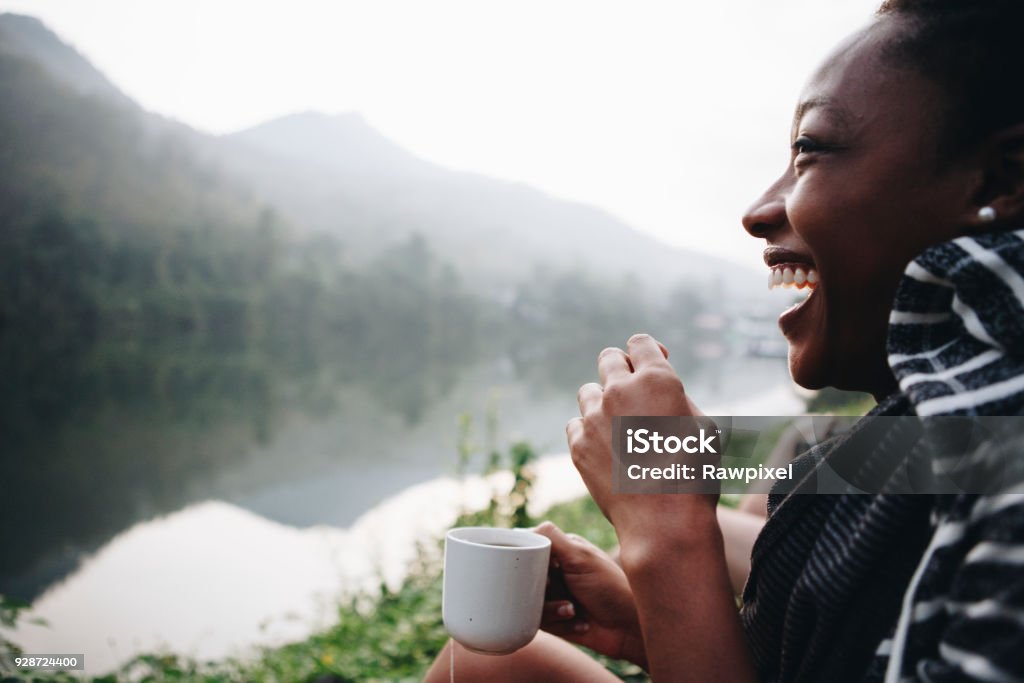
777,256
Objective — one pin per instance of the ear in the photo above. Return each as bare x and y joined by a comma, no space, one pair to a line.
1002,187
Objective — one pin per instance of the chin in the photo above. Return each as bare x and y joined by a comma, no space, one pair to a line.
806,368
878,382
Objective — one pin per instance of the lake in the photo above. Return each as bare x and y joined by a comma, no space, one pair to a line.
205,519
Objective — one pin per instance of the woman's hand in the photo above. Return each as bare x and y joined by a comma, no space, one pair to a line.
590,602
672,553
641,383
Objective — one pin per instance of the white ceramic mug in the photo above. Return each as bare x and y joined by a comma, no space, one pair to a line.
494,582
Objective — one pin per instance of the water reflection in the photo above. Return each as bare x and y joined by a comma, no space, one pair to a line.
128,439
196,491
214,579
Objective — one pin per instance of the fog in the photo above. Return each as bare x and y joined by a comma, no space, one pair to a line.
671,116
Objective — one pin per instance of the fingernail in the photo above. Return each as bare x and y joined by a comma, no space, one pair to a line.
566,610
581,627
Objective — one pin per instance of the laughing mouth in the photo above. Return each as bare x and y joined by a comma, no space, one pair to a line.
792,276
788,268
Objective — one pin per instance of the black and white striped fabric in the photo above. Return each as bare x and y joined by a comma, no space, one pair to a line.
956,332
895,587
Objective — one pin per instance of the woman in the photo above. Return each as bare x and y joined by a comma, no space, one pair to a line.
904,187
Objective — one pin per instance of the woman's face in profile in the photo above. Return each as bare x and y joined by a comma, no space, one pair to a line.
865,191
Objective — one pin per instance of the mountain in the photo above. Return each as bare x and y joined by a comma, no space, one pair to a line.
72,143
344,144
27,38
322,174
339,175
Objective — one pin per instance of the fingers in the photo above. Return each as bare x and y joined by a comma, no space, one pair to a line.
558,610
573,430
582,541
560,618
646,352
560,543
589,398
613,364
550,530
573,553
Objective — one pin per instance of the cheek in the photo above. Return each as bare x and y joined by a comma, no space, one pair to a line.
850,225
829,233
848,230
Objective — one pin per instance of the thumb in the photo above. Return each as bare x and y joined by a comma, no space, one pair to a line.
572,552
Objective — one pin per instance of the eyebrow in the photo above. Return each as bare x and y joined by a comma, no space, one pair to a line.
835,112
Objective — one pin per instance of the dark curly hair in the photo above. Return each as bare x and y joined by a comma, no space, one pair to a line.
973,50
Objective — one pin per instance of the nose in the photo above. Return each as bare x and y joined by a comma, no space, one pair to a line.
768,213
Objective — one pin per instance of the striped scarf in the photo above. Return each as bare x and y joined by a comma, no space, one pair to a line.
956,333
895,587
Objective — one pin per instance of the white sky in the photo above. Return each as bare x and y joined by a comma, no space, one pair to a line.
673,116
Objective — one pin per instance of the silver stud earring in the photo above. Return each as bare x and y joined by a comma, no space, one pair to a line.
986,214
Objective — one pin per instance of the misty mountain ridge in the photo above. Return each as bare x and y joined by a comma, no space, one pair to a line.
28,38
340,143
340,176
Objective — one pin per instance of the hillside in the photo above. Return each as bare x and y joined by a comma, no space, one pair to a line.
339,175
87,152
28,38
330,174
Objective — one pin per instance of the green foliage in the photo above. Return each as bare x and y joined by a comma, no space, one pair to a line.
583,517
507,509
10,612
392,636
837,402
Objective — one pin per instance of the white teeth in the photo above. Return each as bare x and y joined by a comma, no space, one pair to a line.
788,276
